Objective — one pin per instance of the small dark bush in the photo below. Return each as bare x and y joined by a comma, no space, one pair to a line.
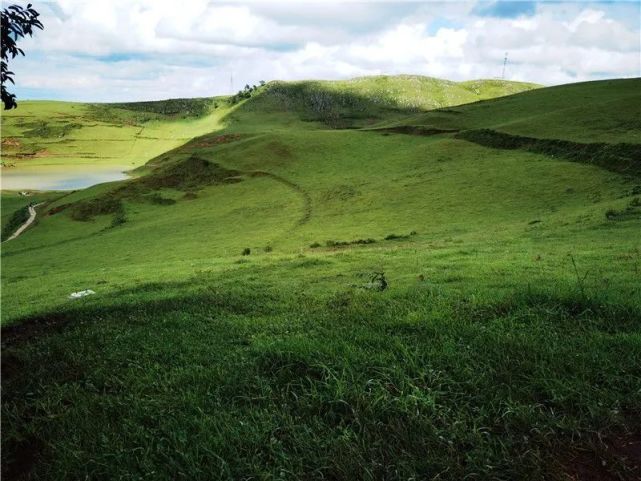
377,282
636,202
157,199
363,241
268,249
87,210
396,237
630,212
315,245
333,243
119,218
247,251
18,218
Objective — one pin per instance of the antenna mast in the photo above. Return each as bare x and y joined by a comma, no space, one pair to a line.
231,82
504,64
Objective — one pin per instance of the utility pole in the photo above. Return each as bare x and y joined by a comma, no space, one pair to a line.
231,82
504,64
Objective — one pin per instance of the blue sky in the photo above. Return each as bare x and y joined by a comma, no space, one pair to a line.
152,49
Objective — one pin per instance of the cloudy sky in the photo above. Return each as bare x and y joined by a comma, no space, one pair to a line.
99,50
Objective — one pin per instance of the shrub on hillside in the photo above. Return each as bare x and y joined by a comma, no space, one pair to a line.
396,237
18,218
87,210
157,199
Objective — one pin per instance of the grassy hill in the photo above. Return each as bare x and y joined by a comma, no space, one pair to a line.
46,133
363,101
335,283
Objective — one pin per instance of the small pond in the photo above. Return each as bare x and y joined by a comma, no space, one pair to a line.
58,177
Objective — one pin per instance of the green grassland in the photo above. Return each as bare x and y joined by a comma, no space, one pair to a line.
46,133
349,280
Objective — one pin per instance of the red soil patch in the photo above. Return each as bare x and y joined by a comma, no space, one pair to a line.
55,210
10,142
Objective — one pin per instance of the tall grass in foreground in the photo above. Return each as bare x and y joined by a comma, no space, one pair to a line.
251,383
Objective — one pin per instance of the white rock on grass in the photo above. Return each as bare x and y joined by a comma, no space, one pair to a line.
79,294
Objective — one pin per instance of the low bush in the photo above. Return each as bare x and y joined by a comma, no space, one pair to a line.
87,210
18,218
632,211
188,175
622,157
119,218
396,236
157,199
333,243
173,107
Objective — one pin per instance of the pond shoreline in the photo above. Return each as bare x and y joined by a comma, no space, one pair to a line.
58,177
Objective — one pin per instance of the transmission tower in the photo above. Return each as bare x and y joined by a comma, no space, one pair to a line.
504,64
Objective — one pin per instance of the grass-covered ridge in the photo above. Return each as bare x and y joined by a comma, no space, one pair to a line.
365,100
287,298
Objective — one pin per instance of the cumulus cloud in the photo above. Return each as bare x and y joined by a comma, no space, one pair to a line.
147,49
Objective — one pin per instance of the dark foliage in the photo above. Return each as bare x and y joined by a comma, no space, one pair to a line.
333,243
416,130
17,22
622,158
245,93
18,218
87,210
400,236
196,107
632,211
187,175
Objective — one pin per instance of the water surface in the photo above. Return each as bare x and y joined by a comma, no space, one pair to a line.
59,177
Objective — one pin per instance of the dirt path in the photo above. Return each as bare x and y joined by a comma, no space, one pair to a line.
29,221
307,200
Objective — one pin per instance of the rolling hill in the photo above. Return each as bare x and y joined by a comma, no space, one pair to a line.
383,278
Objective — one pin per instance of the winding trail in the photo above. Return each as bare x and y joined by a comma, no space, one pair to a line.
28,222
307,200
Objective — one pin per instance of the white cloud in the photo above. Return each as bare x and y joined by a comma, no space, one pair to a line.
143,49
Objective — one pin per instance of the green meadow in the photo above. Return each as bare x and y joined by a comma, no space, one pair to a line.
388,278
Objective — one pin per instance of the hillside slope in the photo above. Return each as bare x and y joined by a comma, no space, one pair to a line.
284,298
601,111
365,100
129,134
45,133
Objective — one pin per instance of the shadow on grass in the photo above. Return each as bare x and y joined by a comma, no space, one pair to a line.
623,158
567,309
263,378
